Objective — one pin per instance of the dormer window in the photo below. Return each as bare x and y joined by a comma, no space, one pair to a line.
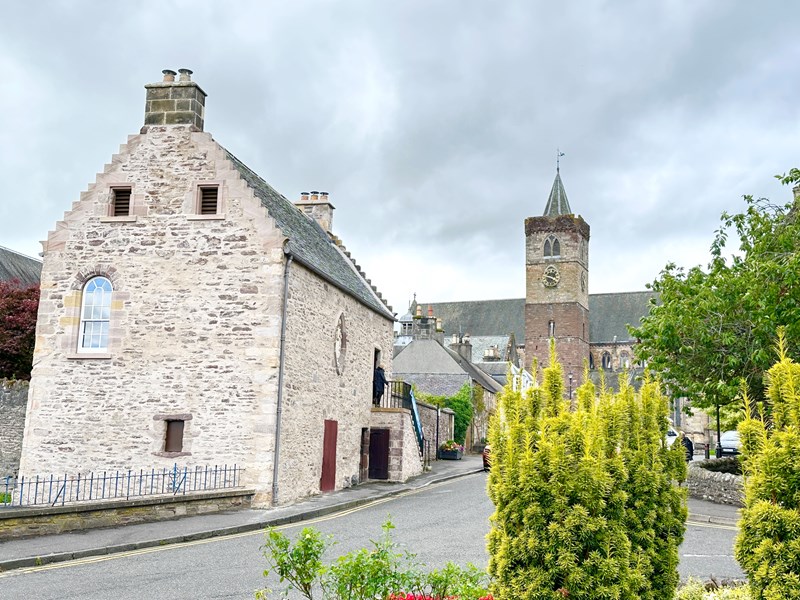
209,200
121,202
552,247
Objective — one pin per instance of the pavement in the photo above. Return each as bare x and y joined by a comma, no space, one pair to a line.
47,549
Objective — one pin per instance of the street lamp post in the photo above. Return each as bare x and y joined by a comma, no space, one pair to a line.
570,384
718,450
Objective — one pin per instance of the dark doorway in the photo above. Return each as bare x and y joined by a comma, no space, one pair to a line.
379,454
328,480
363,467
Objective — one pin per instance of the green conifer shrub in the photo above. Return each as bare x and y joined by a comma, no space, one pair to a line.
768,544
586,505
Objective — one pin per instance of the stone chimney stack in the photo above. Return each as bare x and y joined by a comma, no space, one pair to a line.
317,207
171,102
463,346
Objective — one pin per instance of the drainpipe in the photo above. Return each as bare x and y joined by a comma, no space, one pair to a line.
279,408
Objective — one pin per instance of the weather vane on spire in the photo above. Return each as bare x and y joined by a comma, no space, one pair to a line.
559,154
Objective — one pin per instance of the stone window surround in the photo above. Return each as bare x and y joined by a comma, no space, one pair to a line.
73,332
340,344
87,324
162,438
551,247
136,206
193,212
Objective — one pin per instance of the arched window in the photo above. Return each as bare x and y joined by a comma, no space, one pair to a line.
607,361
591,361
552,247
95,315
624,360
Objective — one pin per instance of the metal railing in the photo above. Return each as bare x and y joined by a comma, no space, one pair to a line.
398,394
58,490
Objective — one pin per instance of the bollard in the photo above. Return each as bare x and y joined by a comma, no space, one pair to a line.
708,452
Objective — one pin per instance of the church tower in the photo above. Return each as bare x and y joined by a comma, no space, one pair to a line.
557,285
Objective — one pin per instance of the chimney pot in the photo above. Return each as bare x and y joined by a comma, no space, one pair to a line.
186,74
314,196
169,75
303,196
430,310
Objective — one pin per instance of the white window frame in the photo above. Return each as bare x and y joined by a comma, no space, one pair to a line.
95,316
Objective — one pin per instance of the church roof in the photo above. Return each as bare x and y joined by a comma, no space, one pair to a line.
14,265
482,317
309,243
609,314
557,203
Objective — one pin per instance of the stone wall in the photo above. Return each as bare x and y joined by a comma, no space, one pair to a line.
428,416
13,401
17,523
722,488
317,388
404,457
195,319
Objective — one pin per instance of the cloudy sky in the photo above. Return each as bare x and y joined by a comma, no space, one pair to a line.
432,124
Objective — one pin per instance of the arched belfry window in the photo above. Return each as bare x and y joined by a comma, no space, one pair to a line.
607,361
95,315
552,247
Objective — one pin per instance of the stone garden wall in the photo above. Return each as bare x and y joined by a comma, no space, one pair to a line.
428,415
13,402
722,488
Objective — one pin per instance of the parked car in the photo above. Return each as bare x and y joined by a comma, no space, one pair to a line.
486,456
729,442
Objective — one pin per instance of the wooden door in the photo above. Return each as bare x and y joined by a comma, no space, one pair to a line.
328,480
379,454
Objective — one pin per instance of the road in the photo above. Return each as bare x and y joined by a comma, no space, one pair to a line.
443,522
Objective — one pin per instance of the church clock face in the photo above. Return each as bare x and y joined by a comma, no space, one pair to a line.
551,276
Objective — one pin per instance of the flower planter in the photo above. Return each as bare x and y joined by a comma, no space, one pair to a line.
450,454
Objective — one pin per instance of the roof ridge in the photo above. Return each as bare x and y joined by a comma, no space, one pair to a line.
338,242
20,254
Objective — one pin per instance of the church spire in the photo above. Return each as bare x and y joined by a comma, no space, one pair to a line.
557,203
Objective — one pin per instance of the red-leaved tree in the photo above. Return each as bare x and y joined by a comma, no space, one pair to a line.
18,308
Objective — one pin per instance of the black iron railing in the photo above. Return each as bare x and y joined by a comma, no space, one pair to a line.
55,490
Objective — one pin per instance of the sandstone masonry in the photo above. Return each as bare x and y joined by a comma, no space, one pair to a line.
13,400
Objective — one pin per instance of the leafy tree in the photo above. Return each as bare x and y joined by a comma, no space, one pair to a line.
768,545
461,405
18,309
715,326
586,502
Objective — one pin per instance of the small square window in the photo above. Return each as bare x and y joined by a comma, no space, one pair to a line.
209,200
121,202
174,438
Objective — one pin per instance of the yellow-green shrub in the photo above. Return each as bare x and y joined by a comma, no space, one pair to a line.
586,505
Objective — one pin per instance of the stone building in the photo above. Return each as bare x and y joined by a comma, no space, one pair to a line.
190,313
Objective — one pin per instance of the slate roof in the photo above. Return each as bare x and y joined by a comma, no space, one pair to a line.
309,243
608,316
610,313
482,317
481,343
14,265
429,361
557,203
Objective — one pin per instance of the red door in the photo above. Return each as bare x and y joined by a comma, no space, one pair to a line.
328,480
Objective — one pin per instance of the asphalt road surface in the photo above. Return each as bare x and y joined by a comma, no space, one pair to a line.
441,523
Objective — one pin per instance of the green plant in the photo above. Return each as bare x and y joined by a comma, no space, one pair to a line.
713,327
461,405
768,544
299,565
451,446
586,502
383,571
